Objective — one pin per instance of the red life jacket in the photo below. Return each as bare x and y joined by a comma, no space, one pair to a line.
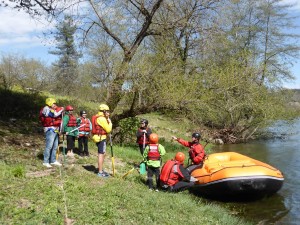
167,175
48,121
86,123
141,138
96,128
195,153
153,153
72,121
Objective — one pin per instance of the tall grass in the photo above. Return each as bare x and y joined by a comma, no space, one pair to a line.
75,190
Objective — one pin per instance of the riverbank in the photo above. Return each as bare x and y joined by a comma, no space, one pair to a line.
73,194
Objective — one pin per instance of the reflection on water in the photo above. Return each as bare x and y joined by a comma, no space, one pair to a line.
283,154
269,210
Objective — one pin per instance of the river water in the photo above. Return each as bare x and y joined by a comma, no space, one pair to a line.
283,154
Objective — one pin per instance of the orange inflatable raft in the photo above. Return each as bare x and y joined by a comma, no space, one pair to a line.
233,175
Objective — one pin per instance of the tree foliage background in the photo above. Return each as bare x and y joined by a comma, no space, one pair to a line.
219,63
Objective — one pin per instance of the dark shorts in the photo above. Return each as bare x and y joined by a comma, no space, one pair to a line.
192,167
101,146
70,142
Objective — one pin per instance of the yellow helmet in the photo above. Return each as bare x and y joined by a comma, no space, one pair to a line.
50,101
103,107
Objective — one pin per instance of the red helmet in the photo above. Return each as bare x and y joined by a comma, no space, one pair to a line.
69,108
180,157
153,138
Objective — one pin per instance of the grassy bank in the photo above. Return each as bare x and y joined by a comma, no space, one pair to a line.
32,194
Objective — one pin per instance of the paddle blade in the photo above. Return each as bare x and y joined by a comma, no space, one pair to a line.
129,172
142,168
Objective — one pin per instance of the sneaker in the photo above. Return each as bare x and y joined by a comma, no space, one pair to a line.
47,165
103,175
156,190
150,189
56,163
106,173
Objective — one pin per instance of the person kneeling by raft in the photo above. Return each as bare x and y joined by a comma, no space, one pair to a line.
174,177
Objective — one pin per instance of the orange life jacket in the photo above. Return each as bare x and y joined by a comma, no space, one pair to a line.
153,153
167,175
84,124
96,128
48,121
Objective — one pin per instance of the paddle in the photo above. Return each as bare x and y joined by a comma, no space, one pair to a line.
129,172
76,128
112,156
144,142
142,168
60,131
64,150
142,164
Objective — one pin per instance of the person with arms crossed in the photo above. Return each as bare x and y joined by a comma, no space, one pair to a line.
84,127
50,117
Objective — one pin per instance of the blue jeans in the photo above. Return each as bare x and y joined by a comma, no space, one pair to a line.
51,146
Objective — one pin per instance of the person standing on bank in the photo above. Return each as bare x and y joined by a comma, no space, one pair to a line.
152,157
196,150
85,127
101,127
142,135
50,116
70,125
174,177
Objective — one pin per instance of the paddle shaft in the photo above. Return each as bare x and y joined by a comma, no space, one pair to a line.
112,155
76,128
144,142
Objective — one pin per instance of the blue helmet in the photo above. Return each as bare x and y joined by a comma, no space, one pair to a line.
144,121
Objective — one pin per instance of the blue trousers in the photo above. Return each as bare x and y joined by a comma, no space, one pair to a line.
51,146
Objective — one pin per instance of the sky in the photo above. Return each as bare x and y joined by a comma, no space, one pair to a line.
20,34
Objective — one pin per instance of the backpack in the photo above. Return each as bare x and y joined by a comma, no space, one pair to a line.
95,125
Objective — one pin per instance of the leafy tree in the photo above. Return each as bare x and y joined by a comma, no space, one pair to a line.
231,100
136,17
67,64
8,71
217,62
262,28
33,7
33,75
29,74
